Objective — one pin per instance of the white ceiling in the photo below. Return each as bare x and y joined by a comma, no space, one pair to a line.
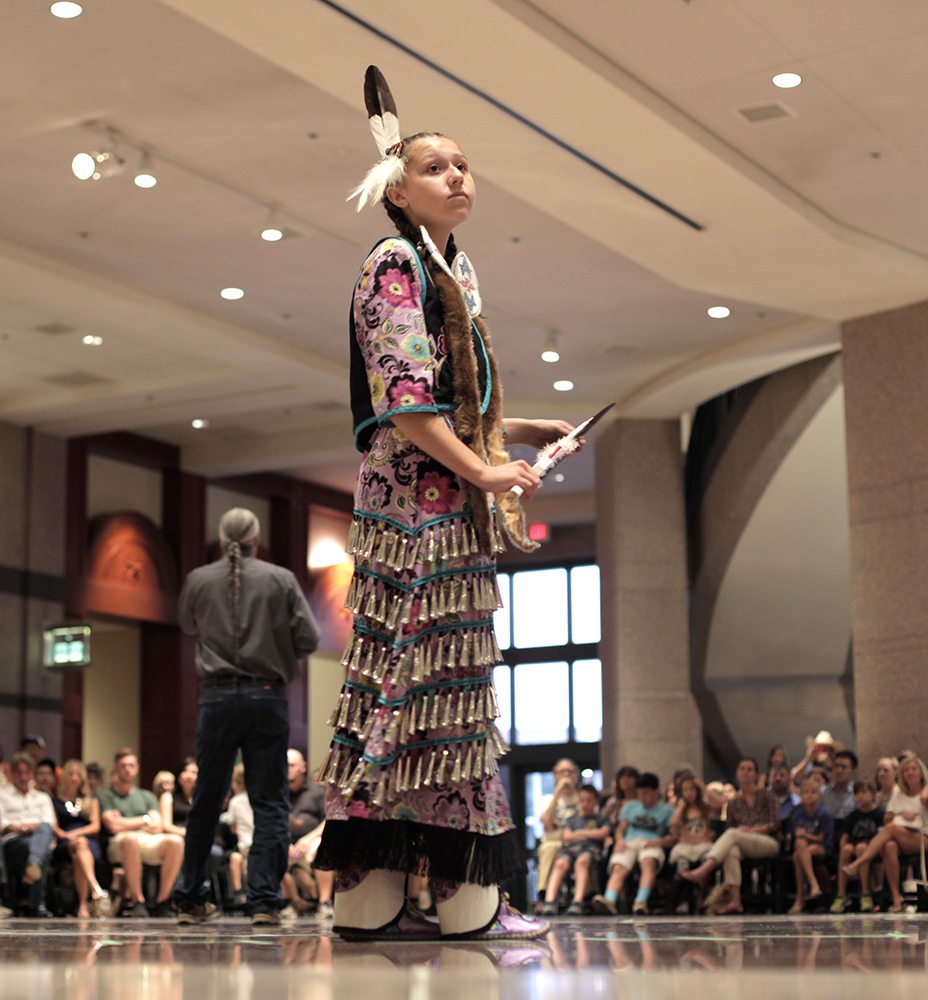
247,105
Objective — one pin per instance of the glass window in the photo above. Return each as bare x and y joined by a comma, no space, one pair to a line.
543,704
588,701
502,679
539,604
502,617
584,604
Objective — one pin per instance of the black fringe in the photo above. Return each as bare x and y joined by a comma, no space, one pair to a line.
419,849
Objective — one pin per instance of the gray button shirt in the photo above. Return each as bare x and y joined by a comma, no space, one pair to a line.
277,627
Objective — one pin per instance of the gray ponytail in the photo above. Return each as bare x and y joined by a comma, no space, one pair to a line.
238,534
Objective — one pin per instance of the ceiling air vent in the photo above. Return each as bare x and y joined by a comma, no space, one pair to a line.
75,379
53,329
766,112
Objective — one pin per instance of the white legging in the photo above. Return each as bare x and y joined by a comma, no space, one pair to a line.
734,845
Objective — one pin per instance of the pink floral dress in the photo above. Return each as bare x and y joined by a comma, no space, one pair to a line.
412,772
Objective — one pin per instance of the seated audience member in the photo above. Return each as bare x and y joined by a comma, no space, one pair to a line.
180,799
781,784
690,826
753,822
775,758
813,830
94,778
163,781
34,746
240,818
583,839
307,820
716,801
641,837
838,797
27,821
860,827
77,827
626,789
555,810
130,815
886,779
819,753
4,771
904,829
46,776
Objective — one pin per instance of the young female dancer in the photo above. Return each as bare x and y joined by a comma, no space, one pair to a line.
412,771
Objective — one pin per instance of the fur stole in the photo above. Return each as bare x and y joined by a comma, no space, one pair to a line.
481,432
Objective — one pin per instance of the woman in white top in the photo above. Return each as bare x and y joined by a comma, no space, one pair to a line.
904,830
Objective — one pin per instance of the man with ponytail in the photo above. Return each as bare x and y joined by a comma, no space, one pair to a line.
252,624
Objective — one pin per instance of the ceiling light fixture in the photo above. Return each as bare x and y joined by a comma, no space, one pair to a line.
91,340
563,385
272,231
199,424
97,164
66,10
145,177
786,81
232,294
718,312
550,353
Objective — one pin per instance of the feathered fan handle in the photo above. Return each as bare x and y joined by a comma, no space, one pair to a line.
381,108
435,253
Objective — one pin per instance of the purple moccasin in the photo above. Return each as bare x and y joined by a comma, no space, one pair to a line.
508,925
410,924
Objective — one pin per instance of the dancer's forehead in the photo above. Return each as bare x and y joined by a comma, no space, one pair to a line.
432,146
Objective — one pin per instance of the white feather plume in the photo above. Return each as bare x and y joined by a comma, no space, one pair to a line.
386,131
386,173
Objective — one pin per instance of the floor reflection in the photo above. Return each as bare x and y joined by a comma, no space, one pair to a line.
230,960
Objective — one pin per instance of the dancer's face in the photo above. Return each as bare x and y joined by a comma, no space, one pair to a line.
438,191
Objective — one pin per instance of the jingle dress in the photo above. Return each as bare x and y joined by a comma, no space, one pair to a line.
412,771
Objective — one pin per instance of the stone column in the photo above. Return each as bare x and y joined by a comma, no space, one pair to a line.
886,402
650,718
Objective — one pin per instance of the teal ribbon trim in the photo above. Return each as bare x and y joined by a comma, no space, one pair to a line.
441,519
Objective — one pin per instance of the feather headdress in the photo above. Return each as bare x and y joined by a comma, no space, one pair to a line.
385,127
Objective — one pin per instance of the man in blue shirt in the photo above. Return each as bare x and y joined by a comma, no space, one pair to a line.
641,837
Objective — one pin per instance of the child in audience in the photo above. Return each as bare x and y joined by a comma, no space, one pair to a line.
860,827
813,830
690,826
642,834
583,837
240,818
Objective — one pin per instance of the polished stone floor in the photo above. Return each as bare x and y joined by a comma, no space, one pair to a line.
750,958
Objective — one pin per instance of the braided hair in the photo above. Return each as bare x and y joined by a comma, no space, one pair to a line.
238,535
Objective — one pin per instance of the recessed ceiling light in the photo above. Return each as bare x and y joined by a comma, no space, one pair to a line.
559,477
786,81
563,385
232,294
718,312
96,164
550,356
66,10
199,424
271,234
145,178
91,340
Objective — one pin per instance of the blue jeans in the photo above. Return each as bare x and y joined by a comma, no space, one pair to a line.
27,849
253,716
